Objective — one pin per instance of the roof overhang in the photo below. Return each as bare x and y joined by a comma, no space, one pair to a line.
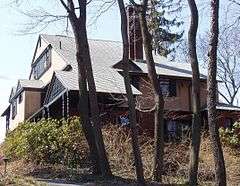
6,111
225,107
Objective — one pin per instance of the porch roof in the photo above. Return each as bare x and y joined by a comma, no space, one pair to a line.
169,68
105,82
227,107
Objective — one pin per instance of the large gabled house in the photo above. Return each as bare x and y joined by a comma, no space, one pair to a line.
52,87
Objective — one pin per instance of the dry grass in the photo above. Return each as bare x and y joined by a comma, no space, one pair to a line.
232,163
118,146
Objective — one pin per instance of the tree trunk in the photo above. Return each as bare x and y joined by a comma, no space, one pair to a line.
91,126
94,109
131,101
196,120
159,101
220,171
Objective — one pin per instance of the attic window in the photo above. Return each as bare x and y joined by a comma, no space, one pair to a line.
42,64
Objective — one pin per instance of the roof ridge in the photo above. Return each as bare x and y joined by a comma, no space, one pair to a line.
91,39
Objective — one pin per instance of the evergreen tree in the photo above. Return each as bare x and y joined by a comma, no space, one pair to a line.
163,28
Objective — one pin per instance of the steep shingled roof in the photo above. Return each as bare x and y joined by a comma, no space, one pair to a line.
104,54
26,83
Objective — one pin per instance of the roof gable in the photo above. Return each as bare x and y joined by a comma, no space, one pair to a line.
55,89
12,94
132,66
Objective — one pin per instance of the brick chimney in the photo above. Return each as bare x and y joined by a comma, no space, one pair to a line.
134,34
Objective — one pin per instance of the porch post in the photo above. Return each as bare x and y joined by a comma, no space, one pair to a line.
48,112
43,112
7,124
63,106
67,104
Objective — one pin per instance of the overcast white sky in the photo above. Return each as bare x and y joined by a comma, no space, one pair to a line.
17,51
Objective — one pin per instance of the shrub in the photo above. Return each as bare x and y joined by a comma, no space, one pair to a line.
48,141
231,136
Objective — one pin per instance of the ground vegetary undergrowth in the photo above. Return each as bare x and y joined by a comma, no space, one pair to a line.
57,149
47,141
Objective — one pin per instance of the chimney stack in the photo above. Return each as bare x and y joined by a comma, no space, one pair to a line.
134,34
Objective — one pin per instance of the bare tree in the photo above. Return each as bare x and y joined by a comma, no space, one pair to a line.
158,98
235,2
90,118
228,69
131,101
220,171
196,120
85,74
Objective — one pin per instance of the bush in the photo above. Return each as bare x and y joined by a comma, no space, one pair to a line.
48,141
231,136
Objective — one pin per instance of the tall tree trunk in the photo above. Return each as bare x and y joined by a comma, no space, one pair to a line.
159,101
220,171
196,120
94,109
131,101
91,125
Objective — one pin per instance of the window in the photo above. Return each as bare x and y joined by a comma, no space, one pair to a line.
123,120
14,108
228,122
168,88
175,130
20,98
164,85
42,64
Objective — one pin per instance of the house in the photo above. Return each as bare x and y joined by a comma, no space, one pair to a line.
52,87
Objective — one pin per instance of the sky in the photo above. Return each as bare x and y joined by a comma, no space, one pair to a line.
17,49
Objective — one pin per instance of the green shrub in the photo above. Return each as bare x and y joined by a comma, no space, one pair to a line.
231,136
48,141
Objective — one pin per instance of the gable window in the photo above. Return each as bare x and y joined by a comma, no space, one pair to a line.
168,88
42,64
14,108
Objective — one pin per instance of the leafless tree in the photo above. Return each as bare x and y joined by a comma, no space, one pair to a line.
228,69
158,98
131,101
196,120
85,74
76,13
220,171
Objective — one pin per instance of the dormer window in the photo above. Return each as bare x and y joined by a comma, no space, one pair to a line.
42,64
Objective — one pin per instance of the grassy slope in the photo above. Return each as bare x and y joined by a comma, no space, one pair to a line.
118,146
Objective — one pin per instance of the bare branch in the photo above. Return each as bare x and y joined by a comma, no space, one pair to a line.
65,6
